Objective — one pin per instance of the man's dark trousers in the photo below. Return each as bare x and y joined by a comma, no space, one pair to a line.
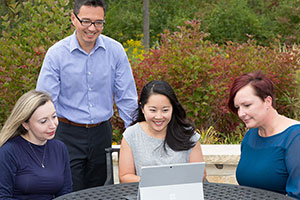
87,155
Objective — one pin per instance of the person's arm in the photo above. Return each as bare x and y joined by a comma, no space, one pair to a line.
293,167
49,78
8,169
197,156
126,164
67,186
125,89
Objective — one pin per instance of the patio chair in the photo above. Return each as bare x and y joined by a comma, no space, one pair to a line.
109,165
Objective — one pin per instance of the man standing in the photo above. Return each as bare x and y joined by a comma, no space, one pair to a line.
84,73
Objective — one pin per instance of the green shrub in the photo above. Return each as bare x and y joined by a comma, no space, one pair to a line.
124,19
36,26
287,17
199,70
224,19
209,136
235,20
134,50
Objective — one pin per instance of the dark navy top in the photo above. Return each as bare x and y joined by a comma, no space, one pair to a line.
21,173
271,163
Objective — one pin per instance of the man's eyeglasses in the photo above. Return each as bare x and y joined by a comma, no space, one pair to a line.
87,22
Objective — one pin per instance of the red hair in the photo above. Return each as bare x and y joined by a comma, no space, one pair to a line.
262,86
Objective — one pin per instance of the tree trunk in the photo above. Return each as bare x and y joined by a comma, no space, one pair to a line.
146,39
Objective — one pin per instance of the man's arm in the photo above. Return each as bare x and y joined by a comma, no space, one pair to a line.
125,89
49,79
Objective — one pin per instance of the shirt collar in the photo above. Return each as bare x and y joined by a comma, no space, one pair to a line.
74,44
99,43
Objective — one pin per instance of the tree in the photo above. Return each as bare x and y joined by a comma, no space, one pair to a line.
146,26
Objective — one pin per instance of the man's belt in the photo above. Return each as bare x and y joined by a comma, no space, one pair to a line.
64,120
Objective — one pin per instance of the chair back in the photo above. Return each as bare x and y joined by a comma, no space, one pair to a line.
109,165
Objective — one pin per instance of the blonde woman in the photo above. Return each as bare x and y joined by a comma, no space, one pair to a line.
33,165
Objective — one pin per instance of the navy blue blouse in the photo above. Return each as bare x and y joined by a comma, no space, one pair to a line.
271,163
23,177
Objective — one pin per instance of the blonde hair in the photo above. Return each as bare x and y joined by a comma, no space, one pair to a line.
22,111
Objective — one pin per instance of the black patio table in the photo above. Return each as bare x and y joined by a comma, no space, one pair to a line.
212,191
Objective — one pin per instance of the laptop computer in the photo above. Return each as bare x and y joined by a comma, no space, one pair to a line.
172,182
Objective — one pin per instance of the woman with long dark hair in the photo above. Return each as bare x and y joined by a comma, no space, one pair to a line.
161,133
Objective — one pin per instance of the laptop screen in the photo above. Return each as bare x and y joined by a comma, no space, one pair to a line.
173,181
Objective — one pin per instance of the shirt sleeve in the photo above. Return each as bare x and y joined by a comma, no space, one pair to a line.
67,186
125,89
49,78
293,167
8,169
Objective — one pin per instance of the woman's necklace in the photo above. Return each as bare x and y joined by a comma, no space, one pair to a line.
42,163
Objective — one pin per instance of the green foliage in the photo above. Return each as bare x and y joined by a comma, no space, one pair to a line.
118,126
235,20
199,70
209,136
201,74
134,50
37,26
233,137
225,20
125,18
287,16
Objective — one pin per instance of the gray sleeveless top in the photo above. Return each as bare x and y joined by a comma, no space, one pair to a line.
149,151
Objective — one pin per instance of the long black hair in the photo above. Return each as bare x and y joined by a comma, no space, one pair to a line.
179,129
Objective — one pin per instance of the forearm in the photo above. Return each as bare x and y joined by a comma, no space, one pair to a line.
129,178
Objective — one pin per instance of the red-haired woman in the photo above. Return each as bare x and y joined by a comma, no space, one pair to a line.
270,149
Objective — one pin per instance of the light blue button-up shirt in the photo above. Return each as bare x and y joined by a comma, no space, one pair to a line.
84,86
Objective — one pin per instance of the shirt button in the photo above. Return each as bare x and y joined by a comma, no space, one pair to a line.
91,105
92,121
90,89
89,73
